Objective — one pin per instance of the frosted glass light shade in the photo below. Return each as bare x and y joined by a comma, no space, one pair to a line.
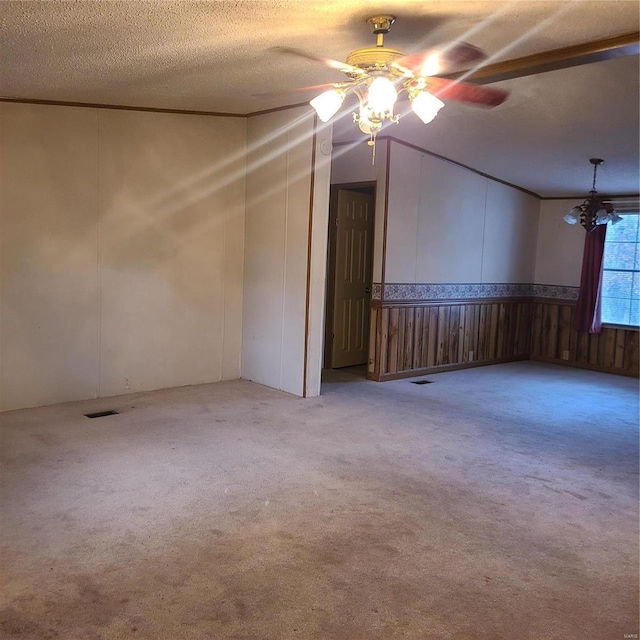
573,216
381,96
328,103
615,218
426,106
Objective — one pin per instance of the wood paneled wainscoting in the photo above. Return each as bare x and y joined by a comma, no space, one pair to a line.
413,337
554,339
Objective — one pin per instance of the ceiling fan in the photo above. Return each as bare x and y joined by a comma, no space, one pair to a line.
378,75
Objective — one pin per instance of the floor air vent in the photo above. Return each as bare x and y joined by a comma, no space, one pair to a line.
421,381
101,414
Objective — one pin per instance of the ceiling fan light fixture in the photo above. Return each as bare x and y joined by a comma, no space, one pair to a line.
377,75
327,104
593,212
426,106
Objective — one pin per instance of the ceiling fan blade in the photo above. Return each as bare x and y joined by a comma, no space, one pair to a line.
313,87
440,59
334,64
465,92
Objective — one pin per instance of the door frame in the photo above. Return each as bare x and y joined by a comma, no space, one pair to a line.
369,186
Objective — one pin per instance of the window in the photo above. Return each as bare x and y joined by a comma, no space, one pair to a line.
621,274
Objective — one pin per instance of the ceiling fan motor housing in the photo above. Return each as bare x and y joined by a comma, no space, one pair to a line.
373,58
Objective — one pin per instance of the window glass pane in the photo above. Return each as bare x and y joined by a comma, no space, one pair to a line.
616,310
625,231
619,255
635,289
634,317
621,276
617,284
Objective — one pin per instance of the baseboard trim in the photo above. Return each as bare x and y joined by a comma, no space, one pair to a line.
412,373
586,366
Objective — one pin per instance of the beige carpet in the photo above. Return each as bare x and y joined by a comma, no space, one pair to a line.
494,503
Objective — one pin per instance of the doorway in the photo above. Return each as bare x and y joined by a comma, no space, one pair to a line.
349,276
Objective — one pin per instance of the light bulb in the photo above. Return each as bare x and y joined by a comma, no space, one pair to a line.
381,97
328,103
426,106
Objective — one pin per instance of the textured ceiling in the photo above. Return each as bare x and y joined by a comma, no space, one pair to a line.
214,56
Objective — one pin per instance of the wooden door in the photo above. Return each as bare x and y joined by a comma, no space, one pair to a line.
352,283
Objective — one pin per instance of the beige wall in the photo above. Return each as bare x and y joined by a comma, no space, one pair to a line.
121,251
560,246
442,209
278,200
49,254
318,260
510,235
446,224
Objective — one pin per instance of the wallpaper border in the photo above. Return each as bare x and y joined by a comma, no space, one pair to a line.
428,291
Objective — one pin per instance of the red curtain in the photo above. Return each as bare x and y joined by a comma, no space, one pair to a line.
589,298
